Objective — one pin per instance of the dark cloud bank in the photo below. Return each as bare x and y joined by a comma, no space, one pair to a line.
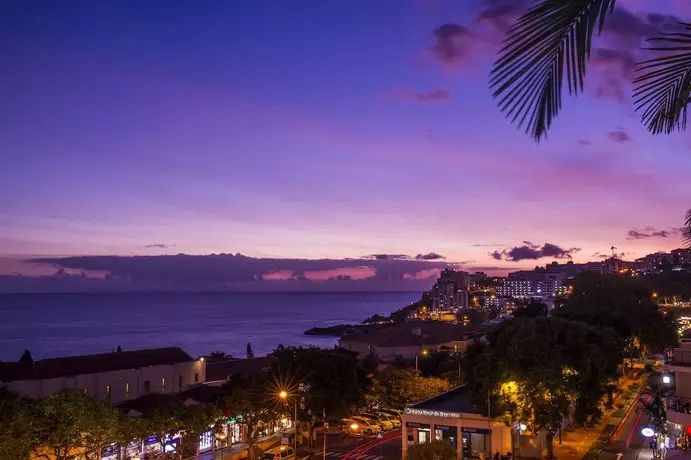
530,251
221,272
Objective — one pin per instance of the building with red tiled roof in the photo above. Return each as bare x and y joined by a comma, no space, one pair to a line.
113,377
407,340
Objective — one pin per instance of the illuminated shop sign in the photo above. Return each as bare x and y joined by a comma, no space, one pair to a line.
432,413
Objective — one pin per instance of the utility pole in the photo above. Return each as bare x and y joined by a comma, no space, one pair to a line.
325,426
489,423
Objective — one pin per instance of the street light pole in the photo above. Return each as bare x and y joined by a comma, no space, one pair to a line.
296,426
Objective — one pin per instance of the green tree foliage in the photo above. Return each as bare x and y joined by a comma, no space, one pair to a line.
331,379
474,316
72,419
531,309
19,425
442,364
254,399
541,367
436,450
624,305
397,388
548,47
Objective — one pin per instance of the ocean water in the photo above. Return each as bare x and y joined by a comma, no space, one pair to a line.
53,325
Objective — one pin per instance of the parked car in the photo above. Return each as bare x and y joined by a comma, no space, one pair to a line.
379,419
368,426
279,453
394,419
351,428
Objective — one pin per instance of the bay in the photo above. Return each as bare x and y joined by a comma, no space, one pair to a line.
54,325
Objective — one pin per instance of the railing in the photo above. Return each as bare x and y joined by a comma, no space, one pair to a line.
678,404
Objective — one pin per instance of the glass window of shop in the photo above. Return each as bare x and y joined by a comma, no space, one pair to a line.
152,445
446,433
475,441
206,441
422,433
111,452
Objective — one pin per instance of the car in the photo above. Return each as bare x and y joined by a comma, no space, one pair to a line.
394,419
366,425
393,412
384,422
351,428
279,453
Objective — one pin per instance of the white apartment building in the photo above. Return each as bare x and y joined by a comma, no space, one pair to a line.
111,377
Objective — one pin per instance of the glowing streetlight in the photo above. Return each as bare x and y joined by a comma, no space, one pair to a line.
666,379
423,353
283,394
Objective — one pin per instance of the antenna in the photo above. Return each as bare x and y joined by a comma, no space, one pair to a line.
614,254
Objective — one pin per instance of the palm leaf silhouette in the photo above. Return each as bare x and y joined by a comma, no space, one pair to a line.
686,231
551,37
663,91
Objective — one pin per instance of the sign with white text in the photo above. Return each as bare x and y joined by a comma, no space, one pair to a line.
432,413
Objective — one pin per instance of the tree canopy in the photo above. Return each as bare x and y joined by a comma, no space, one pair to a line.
397,388
435,450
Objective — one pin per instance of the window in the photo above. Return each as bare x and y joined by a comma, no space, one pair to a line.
163,384
147,386
127,390
180,382
86,391
196,377
108,392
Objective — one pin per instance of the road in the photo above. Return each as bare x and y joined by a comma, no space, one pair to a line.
388,447
629,440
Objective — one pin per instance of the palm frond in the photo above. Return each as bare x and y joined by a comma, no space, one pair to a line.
686,231
663,90
553,36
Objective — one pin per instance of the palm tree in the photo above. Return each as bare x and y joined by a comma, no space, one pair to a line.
551,42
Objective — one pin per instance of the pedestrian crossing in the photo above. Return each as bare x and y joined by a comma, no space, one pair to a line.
337,454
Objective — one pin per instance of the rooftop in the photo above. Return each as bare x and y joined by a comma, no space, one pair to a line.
91,364
222,370
406,334
454,400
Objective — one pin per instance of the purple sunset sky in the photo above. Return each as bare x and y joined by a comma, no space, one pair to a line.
316,129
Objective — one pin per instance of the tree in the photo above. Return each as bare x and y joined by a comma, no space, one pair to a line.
474,316
26,357
193,421
74,421
19,425
397,388
436,450
250,352
551,43
253,399
325,380
624,305
219,356
532,309
538,369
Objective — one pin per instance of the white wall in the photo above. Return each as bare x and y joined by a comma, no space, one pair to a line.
95,384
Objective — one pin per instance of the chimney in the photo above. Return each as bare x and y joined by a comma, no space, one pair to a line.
417,331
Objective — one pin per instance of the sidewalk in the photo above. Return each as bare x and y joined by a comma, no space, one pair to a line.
238,451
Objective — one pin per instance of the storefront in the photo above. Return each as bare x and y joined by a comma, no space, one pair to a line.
133,451
110,453
476,441
206,441
171,443
152,445
450,417
447,434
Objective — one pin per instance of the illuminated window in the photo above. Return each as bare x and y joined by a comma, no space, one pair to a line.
108,392
127,390
163,385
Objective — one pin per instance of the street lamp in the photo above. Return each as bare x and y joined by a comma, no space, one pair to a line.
666,379
283,394
423,353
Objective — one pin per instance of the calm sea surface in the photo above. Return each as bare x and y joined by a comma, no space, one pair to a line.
52,325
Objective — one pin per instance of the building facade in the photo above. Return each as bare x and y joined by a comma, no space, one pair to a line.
110,377
450,292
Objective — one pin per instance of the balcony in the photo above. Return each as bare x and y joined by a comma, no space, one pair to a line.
678,410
